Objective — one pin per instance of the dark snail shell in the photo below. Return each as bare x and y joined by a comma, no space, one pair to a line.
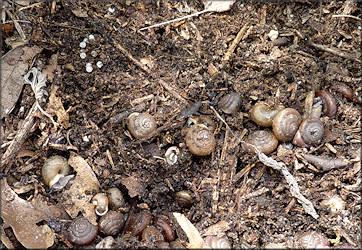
330,106
263,115
111,223
166,228
141,124
264,140
310,132
184,198
81,231
200,140
140,222
286,123
230,103
151,234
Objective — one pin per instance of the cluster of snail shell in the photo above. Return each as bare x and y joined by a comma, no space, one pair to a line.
289,125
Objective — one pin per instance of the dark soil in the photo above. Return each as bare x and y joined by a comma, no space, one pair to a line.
186,55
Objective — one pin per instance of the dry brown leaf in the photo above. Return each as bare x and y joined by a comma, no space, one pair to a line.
14,65
55,212
22,217
77,198
134,186
53,66
80,13
192,233
55,106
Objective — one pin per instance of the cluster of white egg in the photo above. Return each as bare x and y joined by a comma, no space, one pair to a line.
83,55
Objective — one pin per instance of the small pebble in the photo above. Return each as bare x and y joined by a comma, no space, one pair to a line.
91,37
111,10
85,138
85,40
94,53
82,55
88,67
83,45
99,64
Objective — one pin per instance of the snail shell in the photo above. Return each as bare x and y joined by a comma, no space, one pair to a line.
140,222
216,242
230,103
166,228
100,201
264,140
311,240
310,132
81,231
200,140
115,198
184,198
330,106
151,234
263,115
141,124
286,123
111,223
54,168
171,155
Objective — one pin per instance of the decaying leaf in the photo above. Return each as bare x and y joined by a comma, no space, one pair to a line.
85,184
53,66
80,13
134,186
14,65
192,233
23,219
55,106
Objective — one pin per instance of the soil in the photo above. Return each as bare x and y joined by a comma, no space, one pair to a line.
187,78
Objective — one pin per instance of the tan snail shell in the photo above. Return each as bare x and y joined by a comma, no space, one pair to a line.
115,197
311,240
310,132
216,242
200,140
81,231
264,140
141,124
100,201
111,223
230,103
263,115
286,123
54,168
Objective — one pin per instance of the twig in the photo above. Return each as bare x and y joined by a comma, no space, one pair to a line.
294,187
20,137
354,17
172,91
335,52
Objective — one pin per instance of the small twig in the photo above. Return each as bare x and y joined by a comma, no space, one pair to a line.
172,91
336,52
354,17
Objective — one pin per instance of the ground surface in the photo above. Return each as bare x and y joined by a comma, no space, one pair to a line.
187,57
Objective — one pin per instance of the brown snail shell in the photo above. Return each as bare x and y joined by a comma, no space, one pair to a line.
141,124
115,197
310,132
230,103
100,201
216,242
200,140
167,230
140,222
54,168
330,106
111,223
263,115
264,140
151,234
81,231
311,240
184,198
286,123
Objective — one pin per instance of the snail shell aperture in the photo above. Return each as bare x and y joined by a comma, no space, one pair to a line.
54,168
141,124
100,201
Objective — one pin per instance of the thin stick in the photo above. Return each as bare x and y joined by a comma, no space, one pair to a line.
236,41
354,17
336,52
174,20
